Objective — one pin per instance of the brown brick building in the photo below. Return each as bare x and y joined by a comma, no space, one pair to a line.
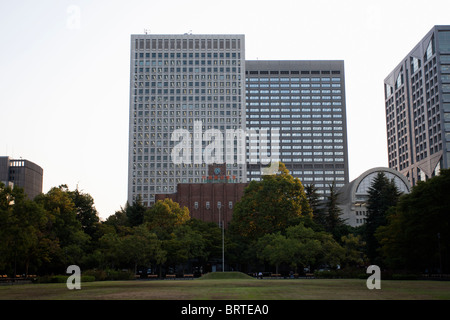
202,199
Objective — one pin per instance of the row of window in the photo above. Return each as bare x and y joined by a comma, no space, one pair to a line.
292,85
196,70
305,147
317,185
185,77
294,97
294,122
301,128
172,106
285,72
179,165
296,116
306,172
316,179
154,63
187,44
185,55
185,98
286,160
294,103
304,79
187,85
293,91
302,110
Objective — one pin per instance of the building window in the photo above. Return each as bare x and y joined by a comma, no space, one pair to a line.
430,50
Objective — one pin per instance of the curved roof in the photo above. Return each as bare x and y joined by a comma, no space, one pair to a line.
362,184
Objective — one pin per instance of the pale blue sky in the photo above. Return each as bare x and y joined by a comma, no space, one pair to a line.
64,72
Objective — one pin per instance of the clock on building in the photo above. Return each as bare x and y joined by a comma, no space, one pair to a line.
217,171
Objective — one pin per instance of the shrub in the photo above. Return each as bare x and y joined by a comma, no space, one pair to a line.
62,279
119,275
109,274
404,276
99,275
340,274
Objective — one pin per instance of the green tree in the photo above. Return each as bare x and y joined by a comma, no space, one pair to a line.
142,247
314,248
165,215
111,251
300,246
275,249
212,238
183,245
118,222
63,227
305,246
383,194
334,224
270,205
86,212
135,213
315,204
353,255
417,235
23,242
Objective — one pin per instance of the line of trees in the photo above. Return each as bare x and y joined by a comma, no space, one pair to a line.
278,226
54,230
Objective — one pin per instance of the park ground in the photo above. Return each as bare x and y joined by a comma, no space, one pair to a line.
232,288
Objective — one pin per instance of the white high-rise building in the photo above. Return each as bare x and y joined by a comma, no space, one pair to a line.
192,83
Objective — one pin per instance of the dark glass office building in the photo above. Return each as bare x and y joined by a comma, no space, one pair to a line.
301,105
417,101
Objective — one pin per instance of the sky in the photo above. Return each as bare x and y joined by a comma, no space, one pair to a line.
65,72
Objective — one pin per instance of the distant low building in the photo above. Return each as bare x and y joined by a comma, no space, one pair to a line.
354,195
22,173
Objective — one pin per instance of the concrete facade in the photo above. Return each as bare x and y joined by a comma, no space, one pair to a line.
175,82
22,173
354,195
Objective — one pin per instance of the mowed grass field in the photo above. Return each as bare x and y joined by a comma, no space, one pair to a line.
232,288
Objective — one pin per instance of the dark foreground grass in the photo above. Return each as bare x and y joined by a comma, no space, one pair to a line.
232,289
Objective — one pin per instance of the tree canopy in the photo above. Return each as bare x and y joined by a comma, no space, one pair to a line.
270,205
417,233
383,194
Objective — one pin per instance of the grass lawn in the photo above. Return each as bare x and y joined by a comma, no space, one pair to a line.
232,288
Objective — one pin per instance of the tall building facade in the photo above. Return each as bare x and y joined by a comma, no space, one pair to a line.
182,83
22,173
301,105
417,101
